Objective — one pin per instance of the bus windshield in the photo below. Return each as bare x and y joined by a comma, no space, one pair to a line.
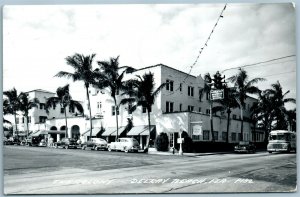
285,136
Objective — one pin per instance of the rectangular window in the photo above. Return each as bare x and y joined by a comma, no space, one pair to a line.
42,119
23,119
196,137
169,85
171,139
199,109
29,119
113,110
224,136
169,106
205,135
99,105
42,105
62,110
207,96
17,121
207,111
239,136
190,91
190,108
129,108
144,109
180,87
234,116
180,107
233,137
216,135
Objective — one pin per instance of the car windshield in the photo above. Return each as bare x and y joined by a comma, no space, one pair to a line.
285,136
135,142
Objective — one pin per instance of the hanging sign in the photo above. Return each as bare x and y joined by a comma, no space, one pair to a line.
216,94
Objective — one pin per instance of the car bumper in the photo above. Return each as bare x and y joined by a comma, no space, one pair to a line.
277,149
242,151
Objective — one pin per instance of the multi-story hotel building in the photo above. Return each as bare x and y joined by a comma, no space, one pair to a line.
178,107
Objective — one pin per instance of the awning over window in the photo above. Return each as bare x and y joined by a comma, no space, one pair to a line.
95,131
140,130
56,132
112,131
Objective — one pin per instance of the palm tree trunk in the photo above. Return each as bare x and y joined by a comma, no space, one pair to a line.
149,124
16,125
242,121
66,135
228,120
254,132
27,132
116,110
211,123
90,110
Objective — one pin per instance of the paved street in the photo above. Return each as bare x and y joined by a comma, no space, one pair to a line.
35,170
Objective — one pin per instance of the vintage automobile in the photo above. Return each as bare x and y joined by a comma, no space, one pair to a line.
282,141
124,144
66,143
95,144
245,147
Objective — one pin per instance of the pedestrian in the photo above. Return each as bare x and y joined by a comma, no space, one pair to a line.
51,142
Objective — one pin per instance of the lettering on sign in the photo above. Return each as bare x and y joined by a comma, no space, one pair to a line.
216,94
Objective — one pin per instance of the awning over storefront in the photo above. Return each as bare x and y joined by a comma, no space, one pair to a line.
112,131
37,133
140,130
136,130
56,132
146,130
121,130
95,131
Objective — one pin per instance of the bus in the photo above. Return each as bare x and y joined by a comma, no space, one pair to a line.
282,141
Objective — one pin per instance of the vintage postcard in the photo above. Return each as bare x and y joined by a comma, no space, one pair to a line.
149,98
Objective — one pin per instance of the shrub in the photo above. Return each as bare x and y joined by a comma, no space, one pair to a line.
162,142
187,145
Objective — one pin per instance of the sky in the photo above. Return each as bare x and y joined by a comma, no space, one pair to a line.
37,39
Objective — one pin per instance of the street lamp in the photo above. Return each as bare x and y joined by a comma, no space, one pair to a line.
181,129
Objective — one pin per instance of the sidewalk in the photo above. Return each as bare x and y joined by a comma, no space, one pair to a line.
155,152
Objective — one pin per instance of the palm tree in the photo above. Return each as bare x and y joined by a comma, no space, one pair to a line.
291,119
64,99
142,93
280,100
243,87
227,104
206,89
25,105
108,76
11,105
83,71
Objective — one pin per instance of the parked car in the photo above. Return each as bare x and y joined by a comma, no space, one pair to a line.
124,144
245,147
7,141
66,143
95,144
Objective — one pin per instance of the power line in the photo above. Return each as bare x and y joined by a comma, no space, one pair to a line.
279,74
255,64
203,47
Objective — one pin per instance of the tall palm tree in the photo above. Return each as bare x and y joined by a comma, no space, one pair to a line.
291,119
280,100
64,99
141,92
227,104
109,75
12,105
206,89
83,71
243,87
25,105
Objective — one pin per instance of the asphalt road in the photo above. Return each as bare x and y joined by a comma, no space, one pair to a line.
35,170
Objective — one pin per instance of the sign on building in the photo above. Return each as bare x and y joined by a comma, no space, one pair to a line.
197,130
216,94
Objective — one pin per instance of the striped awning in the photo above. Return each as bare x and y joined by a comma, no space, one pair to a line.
95,131
136,130
120,131
112,131
140,130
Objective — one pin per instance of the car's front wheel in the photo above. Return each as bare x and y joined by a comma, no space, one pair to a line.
83,147
109,149
66,147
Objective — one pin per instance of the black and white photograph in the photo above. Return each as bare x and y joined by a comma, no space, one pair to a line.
148,98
